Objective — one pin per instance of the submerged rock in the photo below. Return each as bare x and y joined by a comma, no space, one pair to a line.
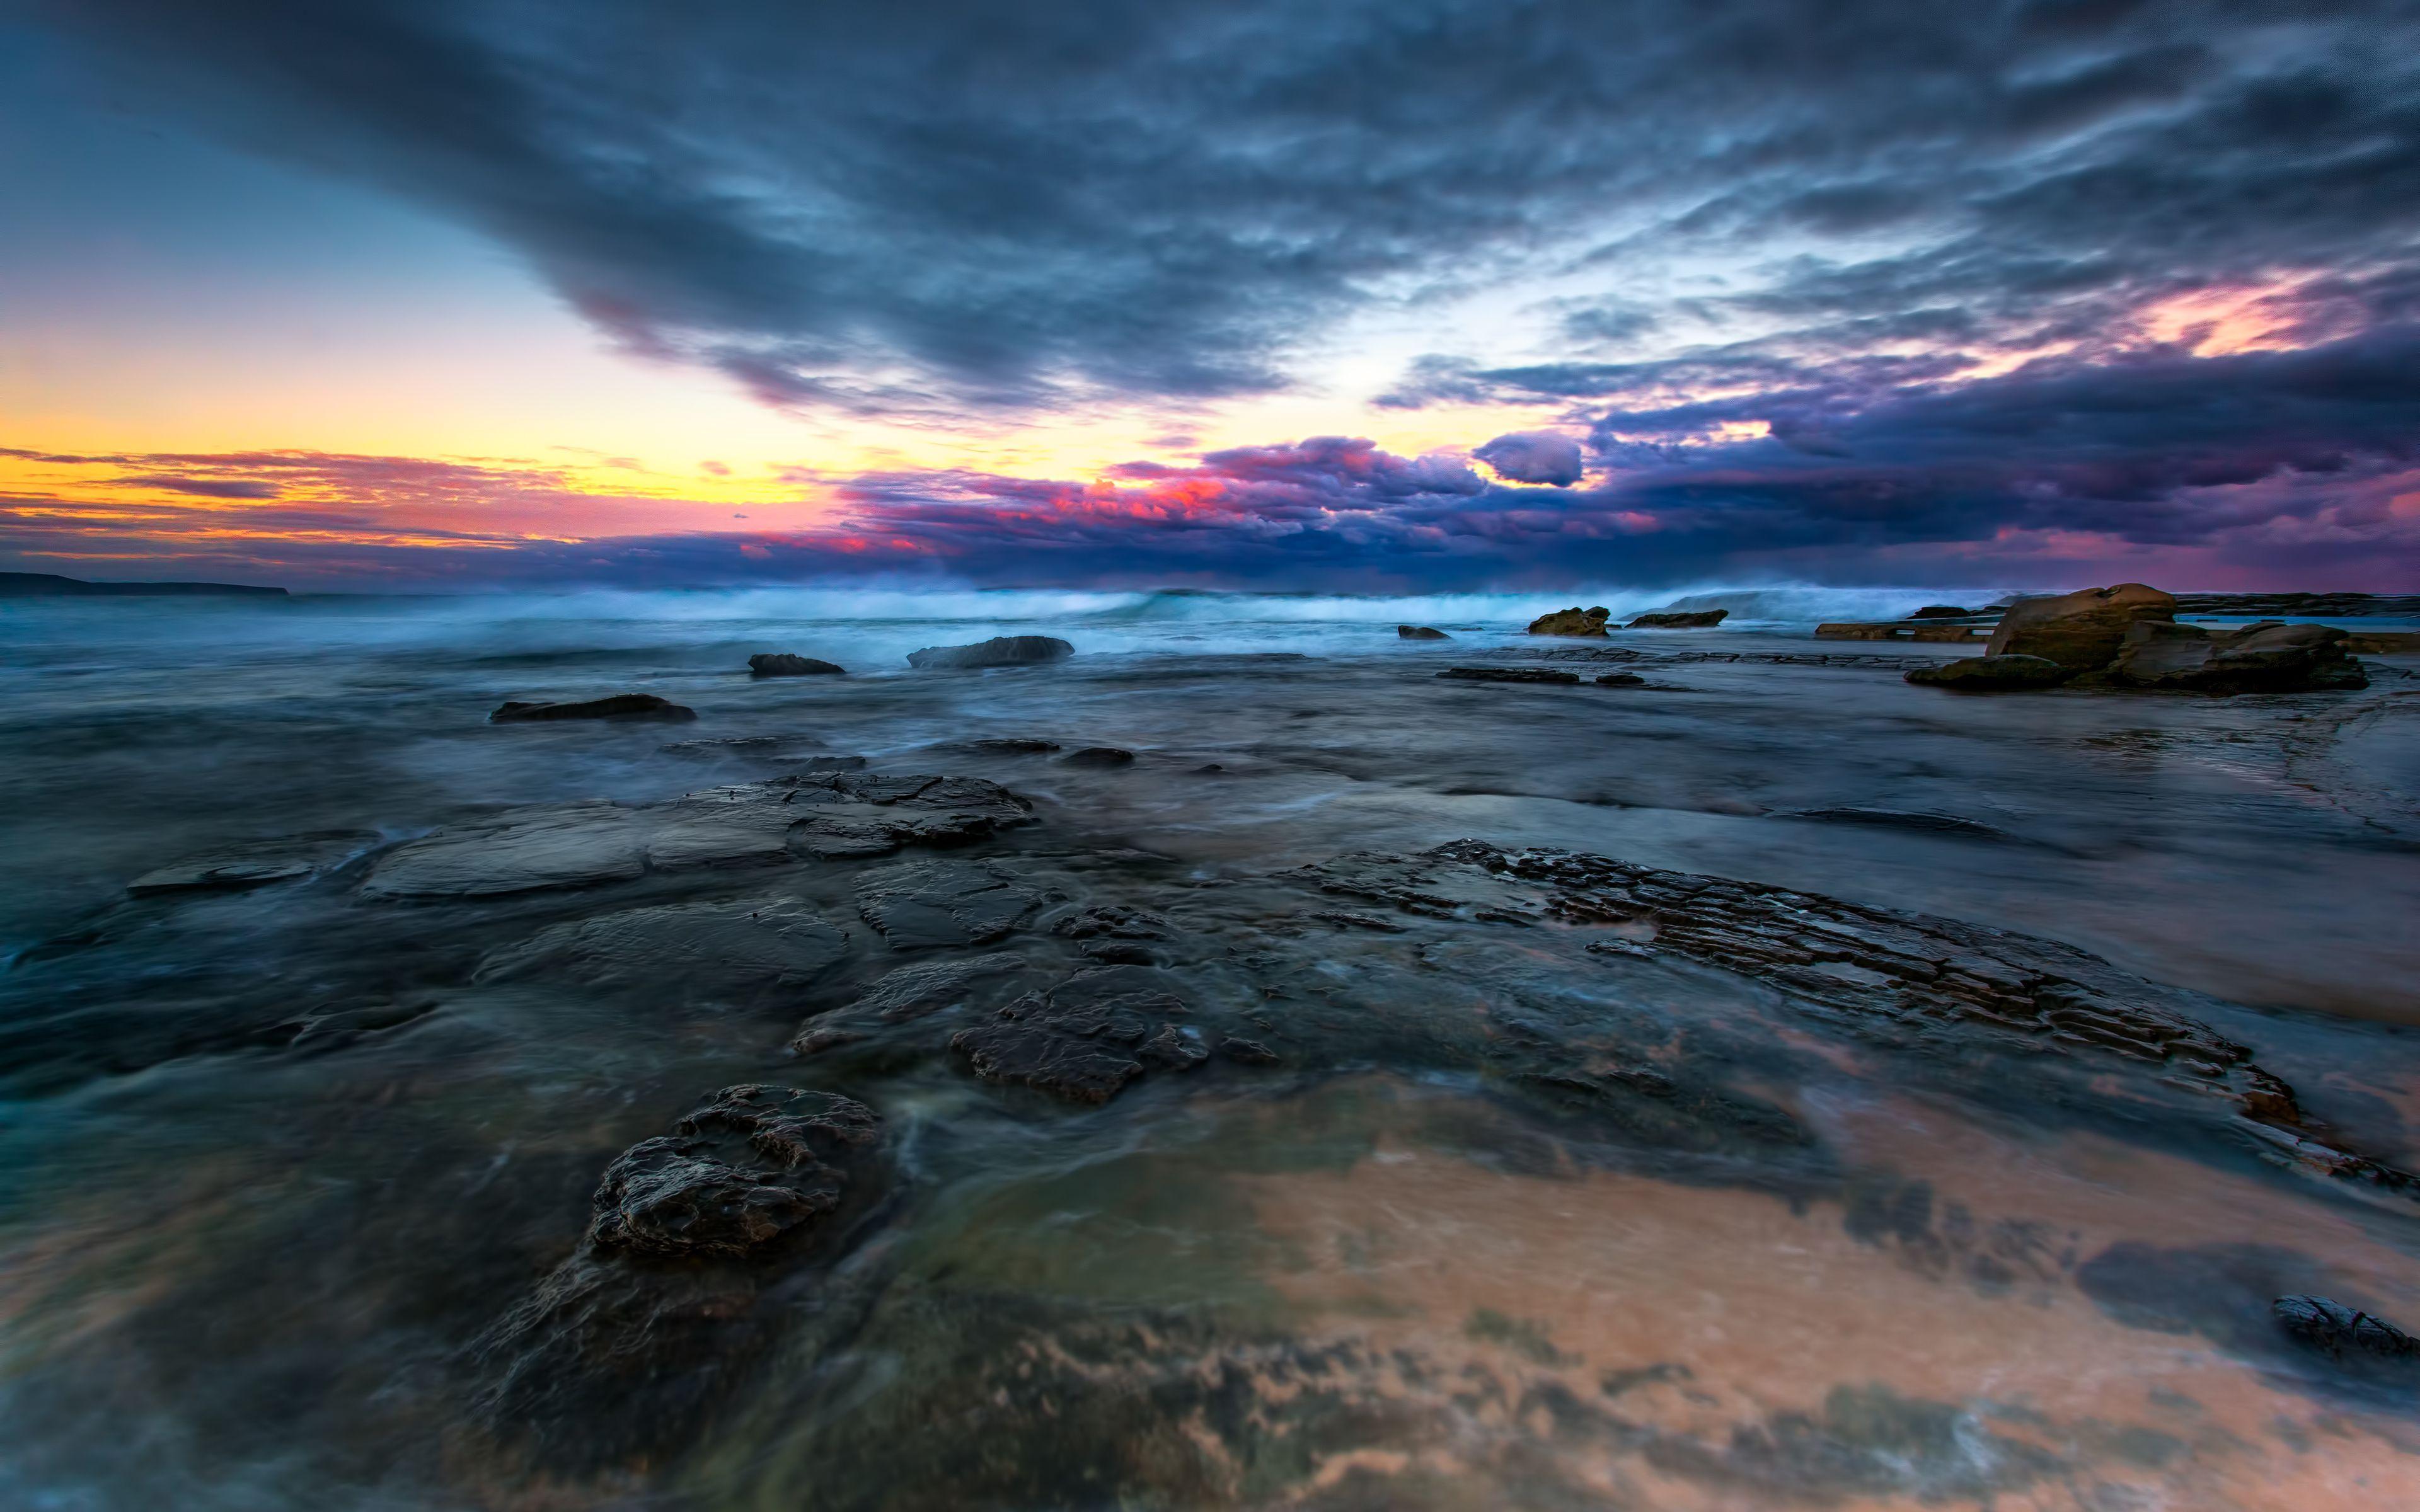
783,664
2082,630
1680,620
1508,674
619,706
1574,621
1993,674
1621,680
654,1318
1098,756
1006,746
1948,611
752,943
1084,1039
1420,632
999,651
2267,657
258,864
944,904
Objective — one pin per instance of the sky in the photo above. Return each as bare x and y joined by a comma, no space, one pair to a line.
1335,295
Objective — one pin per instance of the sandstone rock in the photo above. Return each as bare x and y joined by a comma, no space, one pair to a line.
1508,674
999,651
1680,620
1993,674
2267,657
1084,1039
619,706
1571,621
2384,643
1420,632
735,1175
782,664
2082,630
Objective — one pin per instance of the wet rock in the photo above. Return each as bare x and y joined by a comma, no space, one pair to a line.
2267,657
1006,746
1114,932
659,1313
1247,1052
944,904
734,1177
1420,632
1939,824
1680,620
1621,680
750,944
825,814
1948,611
2342,1331
640,706
783,664
1098,756
1930,632
2382,642
999,651
1587,621
926,987
2005,674
2082,630
1083,1040
237,868
1508,674
2307,605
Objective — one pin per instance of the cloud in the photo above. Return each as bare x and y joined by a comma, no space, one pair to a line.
936,206
1534,457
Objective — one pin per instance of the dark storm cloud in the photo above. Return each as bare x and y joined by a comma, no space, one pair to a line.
939,203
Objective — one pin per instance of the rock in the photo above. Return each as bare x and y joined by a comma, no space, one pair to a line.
1944,823
1621,680
1899,630
1247,1052
925,987
1000,651
943,903
1098,756
1420,632
752,943
619,706
782,664
656,1315
1571,621
1993,674
256,865
2303,606
1948,611
733,1176
1006,746
1083,1040
829,815
1680,620
2082,630
2384,643
1508,674
2267,657
2333,1326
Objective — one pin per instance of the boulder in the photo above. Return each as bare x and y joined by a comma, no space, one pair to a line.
1993,674
1508,674
1422,632
1680,620
782,664
1098,756
1947,612
2267,657
2082,630
619,706
2325,1323
1571,621
999,651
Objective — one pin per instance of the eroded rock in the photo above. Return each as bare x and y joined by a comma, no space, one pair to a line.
258,864
2082,630
1084,1039
2267,658
2007,673
1574,622
638,707
999,651
784,664
764,942
944,904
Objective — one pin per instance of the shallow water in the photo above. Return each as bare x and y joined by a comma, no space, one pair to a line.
1498,1219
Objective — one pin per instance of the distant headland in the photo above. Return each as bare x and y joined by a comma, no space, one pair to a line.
51,585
